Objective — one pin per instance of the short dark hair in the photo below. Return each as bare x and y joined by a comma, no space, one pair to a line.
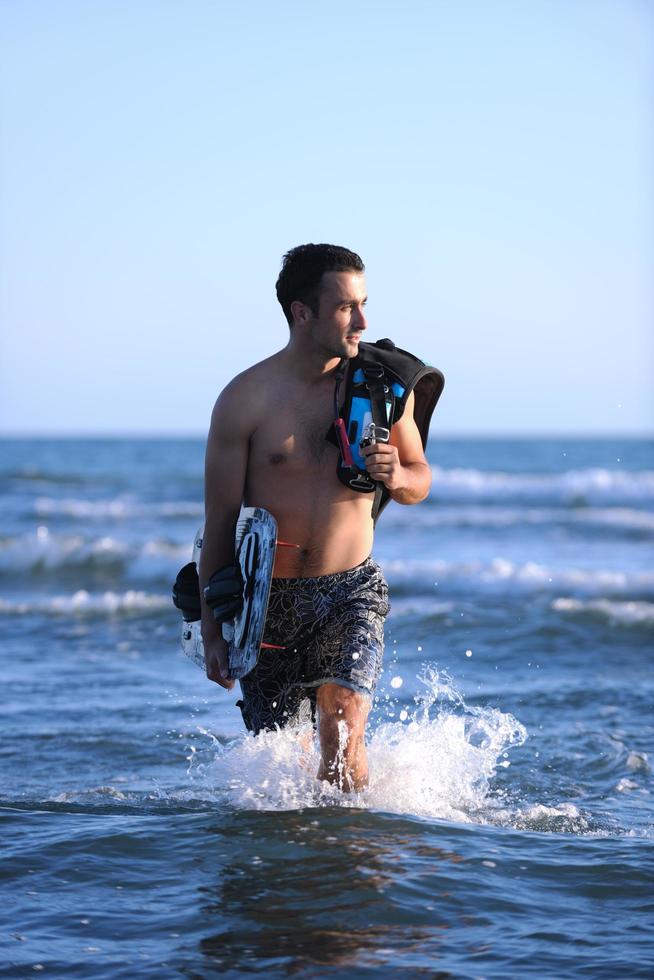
302,270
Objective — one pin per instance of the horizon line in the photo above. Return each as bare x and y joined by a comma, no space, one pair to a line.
141,435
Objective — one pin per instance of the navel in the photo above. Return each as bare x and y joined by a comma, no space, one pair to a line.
277,458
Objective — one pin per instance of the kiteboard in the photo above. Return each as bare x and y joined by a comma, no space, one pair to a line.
255,548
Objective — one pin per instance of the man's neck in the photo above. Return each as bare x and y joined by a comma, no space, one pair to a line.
310,364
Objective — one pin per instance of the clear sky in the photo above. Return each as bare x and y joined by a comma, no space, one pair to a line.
491,160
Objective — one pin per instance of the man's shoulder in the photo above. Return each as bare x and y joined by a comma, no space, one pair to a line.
251,381
262,371
248,394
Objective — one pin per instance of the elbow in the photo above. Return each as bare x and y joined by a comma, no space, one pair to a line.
415,486
421,486
419,497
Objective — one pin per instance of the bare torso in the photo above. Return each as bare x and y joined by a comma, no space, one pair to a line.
291,471
267,447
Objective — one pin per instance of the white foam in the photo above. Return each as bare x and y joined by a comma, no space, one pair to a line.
437,762
614,612
622,518
93,794
626,519
83,602
155,559
598,486
407,608
45,551
502,575
590,485
159,559
561,818
117,508
626,785
83,509
638,762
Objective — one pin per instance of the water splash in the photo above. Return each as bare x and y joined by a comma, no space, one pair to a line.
437,761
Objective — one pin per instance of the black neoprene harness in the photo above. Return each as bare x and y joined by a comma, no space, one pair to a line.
378,382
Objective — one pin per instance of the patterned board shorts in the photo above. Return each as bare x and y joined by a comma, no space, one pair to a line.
332,631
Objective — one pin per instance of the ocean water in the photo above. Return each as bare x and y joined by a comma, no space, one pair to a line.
508,828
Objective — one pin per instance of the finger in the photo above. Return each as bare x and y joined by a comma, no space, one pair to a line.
223,682
382,452
382,448
382,476
223,667
376,460
217,672
218,678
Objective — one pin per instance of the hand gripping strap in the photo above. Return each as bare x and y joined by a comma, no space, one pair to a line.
403,373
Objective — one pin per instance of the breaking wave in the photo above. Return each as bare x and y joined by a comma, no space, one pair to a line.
43,552
46,554
574,487
635,614
115,508
87,603
623,520
502,576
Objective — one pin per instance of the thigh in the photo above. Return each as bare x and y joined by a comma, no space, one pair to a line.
348,647
273,691
348,653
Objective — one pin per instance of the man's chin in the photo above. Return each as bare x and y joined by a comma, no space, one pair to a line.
347,348
350,348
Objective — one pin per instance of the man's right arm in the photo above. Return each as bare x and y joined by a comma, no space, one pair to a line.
224,482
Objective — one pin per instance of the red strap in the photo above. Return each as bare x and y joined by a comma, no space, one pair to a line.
343,442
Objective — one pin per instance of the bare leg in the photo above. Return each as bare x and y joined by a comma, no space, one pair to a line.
342,716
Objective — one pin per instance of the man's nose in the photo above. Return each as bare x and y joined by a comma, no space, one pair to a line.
360,319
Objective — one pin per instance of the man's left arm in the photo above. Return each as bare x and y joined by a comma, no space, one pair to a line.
400,464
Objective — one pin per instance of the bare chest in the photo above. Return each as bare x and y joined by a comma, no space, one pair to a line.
292,434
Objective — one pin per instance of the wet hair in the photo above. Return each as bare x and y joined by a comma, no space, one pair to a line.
302,270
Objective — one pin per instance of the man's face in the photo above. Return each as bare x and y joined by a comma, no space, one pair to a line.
341,318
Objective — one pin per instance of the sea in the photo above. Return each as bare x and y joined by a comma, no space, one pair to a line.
507,830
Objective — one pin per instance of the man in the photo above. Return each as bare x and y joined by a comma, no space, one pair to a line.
267,447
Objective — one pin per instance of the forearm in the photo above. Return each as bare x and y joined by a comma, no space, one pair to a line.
413,483
217,551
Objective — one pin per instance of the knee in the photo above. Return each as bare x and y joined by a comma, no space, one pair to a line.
336,703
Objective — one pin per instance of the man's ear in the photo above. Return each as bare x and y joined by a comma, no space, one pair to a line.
300,312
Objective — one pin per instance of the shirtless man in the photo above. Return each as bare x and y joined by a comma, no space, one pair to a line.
267,448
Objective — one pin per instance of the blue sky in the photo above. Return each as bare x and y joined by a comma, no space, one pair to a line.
491,162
